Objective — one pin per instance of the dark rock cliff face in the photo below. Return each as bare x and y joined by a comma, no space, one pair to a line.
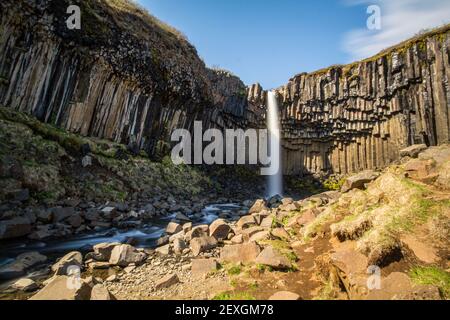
348,118
125,76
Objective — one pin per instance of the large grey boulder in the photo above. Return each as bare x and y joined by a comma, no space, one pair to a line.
102,251
359,180
15,228
240,253
271,257
202,244
72,259
219,229
64,288
124,254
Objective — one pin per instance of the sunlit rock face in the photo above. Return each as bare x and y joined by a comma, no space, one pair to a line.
349,118
124,76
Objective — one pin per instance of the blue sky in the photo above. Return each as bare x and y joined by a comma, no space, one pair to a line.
269,41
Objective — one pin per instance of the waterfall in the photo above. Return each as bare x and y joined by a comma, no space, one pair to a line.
275,181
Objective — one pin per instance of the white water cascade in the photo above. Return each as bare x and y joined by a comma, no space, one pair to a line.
275,181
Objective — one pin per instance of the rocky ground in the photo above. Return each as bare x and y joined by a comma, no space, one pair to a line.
327,246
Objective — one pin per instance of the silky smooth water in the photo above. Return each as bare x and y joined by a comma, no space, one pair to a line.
275,181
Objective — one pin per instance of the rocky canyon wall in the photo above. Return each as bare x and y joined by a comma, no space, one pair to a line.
349,118
125,76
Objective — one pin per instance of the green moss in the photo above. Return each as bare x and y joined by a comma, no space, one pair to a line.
432,276
333,183
234,270
234,296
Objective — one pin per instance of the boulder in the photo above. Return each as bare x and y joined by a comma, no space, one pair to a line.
271,257
284,295
163,241
197,232
240,253
100,292
260,205
187,227
246,222
201,267
413,151
124,254
167,281
259,236
60,214
280,233
75,221
15,228
393,285
109,212
25,284
181,217
72,259
163,250
179,245
64,288
173,228
267,222
306,217
238,239
102,251
21,264
248,233
219,229
359,181
202,244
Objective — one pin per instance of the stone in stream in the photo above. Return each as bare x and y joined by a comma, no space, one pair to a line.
124,254
100,292
72,259
271,257
181,217
102,251
201,267
59,214
173,228
14,228
202,244
167,281
21,264
75,220
284,295
240,253
64,288
219,229
25,284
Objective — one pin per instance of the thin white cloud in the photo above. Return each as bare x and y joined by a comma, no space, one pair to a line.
400,20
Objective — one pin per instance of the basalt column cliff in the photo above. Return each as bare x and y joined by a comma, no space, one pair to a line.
124,76
348,118
127,77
